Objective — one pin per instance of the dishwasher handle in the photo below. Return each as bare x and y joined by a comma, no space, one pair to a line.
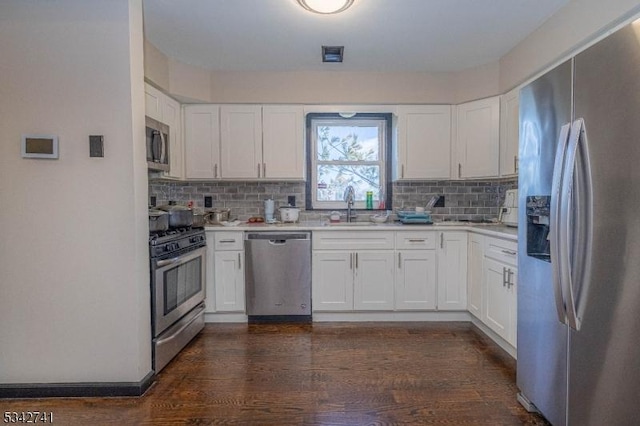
277,237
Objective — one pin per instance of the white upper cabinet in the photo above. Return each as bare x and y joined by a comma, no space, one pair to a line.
171,115
166,110
478,139
283,142
202,141
424,142
152,102
509,133
241,141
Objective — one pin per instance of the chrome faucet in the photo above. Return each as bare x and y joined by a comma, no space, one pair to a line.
349,195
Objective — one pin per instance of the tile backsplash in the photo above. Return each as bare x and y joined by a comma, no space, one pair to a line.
464,200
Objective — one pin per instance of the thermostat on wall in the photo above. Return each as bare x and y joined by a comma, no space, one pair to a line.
39,146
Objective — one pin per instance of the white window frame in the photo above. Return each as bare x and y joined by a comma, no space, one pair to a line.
381,162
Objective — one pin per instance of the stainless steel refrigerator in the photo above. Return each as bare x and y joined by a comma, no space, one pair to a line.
579,237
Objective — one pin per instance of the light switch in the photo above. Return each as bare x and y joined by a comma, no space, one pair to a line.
96,146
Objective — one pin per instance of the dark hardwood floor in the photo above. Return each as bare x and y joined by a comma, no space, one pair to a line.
320,374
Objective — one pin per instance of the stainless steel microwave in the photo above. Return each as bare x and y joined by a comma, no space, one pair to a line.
157,136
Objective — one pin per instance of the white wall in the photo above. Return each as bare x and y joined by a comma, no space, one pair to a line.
74,285
571,28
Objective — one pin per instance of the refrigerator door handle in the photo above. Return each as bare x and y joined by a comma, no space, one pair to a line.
576,235
554,228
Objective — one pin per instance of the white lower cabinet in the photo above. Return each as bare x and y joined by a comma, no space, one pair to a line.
225,272
353,270
416,280
500,304
332,281
415,286
475,274
373,281
452,270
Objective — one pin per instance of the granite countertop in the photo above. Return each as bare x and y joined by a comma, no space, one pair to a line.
491,229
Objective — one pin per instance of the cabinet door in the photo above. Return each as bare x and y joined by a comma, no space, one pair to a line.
509,133
241,141
283,142
424,142
229,281
373,284
202,141
171,116
452,271
210,289
415,286
496,309
152,102
475,274
332,281
478,138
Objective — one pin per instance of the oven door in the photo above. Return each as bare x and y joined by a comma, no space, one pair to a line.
178,286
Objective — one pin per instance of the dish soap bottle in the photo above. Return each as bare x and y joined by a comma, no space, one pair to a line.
369,200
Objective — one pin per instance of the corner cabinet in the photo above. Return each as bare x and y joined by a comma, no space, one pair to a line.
475,273
202,141
478,139
509,133
424,142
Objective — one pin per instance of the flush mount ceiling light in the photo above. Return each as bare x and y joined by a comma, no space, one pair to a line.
325,7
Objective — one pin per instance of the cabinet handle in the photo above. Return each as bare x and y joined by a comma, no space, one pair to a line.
258,169
227,241
441,240
350,260
509,252
417,241
356,260
239,261
504,276
459,170
215,170
264,170
402,172
515,163
399,260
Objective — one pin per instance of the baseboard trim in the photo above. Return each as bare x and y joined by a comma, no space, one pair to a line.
70,390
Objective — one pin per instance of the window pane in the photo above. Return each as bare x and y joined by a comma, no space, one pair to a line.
333,180
347,143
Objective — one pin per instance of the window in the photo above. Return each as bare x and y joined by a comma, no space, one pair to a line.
348,151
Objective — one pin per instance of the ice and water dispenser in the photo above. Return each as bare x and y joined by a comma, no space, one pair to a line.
538,209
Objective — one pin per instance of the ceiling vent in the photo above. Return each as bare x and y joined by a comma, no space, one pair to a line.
332,53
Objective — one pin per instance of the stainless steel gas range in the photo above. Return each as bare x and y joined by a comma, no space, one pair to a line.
177,290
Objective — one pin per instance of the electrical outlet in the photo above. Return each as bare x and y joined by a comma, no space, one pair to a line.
153,201
440,202
208,201
291,200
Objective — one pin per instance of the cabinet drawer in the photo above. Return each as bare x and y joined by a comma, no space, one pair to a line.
421,240
501,250
228,240
352,240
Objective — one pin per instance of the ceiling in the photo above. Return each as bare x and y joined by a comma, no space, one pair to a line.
378,35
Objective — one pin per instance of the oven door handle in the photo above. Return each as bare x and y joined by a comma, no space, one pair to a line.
196,313
166,262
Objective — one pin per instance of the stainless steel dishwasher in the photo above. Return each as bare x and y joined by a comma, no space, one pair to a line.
278,276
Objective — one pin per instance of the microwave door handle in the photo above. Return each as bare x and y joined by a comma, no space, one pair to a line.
156,146
554,228
163,149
